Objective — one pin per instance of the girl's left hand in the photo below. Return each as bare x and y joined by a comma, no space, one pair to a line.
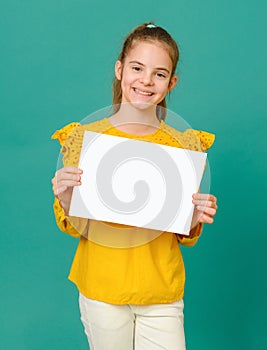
205,208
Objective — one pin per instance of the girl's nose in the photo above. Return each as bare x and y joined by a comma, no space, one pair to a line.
147,79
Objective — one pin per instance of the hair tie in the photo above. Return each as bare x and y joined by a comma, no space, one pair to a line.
151,26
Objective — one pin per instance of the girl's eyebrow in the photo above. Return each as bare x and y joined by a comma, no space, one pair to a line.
158,68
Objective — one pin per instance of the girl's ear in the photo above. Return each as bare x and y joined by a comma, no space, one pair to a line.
173,82
118,70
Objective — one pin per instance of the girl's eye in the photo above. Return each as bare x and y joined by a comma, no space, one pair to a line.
161,75
136,68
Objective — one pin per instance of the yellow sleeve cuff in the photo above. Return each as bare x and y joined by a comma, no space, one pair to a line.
193,237
62,220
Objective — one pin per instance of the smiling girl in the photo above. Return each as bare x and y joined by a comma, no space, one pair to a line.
132,297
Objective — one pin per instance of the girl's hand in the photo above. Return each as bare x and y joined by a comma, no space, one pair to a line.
205,208
63,182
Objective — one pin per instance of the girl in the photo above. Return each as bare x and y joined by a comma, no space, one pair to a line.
132,298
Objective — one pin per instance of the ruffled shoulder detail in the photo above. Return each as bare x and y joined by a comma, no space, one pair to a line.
194,140
206,139
176,134
62,134
71,139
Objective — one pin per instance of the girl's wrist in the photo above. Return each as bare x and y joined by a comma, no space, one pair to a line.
64,206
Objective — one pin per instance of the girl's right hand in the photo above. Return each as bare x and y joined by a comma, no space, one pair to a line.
63,182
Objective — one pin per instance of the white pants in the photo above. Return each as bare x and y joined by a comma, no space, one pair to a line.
128,327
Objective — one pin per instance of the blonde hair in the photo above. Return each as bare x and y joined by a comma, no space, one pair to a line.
146,32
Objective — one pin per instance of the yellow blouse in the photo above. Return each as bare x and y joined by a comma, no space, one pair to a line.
146,274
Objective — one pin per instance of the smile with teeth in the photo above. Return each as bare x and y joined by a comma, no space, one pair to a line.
145,93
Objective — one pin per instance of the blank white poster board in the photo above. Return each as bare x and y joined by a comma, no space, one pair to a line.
137,183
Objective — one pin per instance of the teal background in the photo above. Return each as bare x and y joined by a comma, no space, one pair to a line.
57,61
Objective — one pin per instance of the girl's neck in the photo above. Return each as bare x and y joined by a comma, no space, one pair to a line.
135,120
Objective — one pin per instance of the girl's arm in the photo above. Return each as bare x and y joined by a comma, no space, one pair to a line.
70,138
75,227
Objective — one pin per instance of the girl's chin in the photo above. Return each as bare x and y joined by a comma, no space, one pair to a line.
142,105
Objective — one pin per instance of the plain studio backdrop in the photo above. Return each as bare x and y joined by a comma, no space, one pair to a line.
57,61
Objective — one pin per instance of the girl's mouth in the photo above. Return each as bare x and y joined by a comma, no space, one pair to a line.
143,93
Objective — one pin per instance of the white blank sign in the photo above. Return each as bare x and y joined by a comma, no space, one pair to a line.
137,183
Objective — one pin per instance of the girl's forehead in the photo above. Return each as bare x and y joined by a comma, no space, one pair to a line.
148,49
142,44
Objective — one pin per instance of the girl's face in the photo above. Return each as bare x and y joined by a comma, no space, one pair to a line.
146,74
